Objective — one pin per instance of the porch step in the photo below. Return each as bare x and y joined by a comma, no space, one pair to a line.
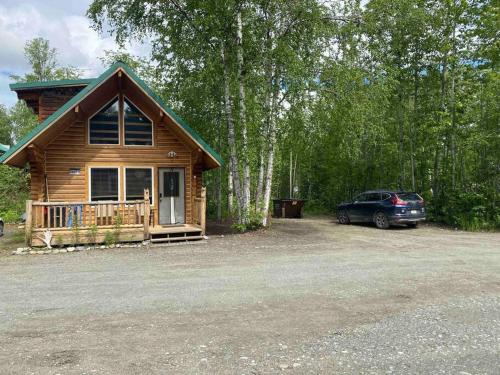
176,239
175,233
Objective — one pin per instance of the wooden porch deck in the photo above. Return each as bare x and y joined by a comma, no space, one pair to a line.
74,223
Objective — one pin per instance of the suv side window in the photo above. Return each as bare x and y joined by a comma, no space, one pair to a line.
361,198
385,196
373,197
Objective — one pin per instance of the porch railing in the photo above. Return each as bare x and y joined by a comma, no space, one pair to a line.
199,210
51,215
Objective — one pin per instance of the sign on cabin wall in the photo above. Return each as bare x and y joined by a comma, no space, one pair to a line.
172,154
74,171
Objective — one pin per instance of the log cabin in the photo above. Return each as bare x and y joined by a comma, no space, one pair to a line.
110,162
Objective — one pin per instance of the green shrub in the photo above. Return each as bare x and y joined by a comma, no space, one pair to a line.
109,238
59,241
92,234
13,193
10,216
253,222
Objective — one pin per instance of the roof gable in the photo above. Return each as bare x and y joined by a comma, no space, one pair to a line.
91,86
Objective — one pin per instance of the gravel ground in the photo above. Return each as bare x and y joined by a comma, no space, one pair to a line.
305,297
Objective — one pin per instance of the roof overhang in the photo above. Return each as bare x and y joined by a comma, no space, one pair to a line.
39,85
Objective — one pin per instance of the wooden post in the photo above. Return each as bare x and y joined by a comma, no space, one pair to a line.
28,223
203,209
147,210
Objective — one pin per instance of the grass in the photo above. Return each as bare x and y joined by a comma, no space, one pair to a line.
12,239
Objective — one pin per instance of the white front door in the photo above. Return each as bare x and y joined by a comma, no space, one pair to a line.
171,195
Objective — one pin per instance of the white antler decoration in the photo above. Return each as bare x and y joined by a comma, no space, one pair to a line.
47,238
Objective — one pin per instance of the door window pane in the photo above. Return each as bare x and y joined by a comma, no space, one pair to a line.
138,128
104,184
136,180
171,184
103,127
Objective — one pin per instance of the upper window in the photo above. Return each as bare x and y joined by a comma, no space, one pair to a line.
136,180
103,184
104,126
138,128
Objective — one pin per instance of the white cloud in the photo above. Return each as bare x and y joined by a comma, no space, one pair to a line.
61,22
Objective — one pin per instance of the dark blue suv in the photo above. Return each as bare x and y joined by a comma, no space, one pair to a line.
383,207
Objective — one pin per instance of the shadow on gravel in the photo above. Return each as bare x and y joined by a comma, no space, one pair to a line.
372,225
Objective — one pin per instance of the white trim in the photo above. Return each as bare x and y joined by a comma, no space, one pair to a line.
95,113
62,114
145,115
89,173
151,193
173,119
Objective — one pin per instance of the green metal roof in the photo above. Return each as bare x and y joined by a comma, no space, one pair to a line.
90,87
48,84
4,148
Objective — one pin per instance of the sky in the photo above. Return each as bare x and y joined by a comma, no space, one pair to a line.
64,24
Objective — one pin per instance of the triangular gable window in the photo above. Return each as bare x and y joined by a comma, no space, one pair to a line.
104,126
138,128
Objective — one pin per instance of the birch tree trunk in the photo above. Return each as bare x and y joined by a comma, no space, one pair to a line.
271,101
230,194
242,117
453,108
260,178
231,139
269,172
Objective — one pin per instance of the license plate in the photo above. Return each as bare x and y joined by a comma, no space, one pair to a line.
414,212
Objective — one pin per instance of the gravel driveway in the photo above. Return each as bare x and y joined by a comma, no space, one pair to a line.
305,297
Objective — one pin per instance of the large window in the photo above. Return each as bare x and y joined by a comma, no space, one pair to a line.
104,126
136,180
138,128
104,184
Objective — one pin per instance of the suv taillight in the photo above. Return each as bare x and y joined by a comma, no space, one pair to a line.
395,201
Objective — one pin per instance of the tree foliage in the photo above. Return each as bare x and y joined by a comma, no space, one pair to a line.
19,120
43,61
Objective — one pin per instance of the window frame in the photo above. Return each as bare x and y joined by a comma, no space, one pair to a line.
151,192
89,174
123,123
120,115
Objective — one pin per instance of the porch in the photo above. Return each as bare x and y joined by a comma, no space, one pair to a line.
79,223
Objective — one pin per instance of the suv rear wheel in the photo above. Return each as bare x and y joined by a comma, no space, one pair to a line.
343,217
381,220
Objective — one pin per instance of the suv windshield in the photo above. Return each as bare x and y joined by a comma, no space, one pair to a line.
410,196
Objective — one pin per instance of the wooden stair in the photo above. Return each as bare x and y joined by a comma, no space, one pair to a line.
175,233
